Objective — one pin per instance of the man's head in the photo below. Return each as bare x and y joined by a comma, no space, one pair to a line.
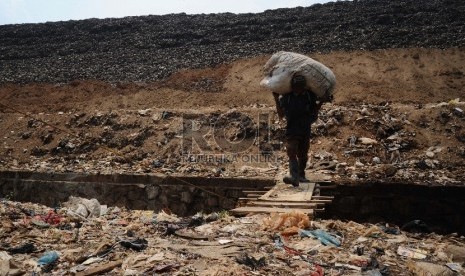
298,83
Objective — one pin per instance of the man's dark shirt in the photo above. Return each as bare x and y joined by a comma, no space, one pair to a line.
300,111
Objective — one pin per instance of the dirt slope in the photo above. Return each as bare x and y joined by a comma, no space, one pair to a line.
115,94
127,96
396,75
379,94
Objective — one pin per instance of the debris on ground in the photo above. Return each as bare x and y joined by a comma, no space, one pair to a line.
394,145
238,246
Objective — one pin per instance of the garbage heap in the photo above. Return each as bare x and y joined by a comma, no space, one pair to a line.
83,237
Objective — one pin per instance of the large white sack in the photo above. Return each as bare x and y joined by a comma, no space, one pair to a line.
283,65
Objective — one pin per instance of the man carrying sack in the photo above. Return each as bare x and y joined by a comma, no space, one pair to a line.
300,108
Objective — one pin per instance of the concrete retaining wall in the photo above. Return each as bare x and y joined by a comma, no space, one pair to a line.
182,195
441,207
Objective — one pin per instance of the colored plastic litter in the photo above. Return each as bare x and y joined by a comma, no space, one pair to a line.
323,236
318,271
48,258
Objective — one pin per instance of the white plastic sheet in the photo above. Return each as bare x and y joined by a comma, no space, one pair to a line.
283,65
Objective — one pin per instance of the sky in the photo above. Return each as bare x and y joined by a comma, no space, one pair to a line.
37,11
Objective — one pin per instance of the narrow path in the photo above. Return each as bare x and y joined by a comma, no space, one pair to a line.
283,198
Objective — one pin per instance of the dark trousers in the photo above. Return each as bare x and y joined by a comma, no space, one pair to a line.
297,150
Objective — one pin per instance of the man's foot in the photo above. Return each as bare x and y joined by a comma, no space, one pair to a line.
290,180
303,179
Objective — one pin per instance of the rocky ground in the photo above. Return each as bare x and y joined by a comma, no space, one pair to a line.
128,95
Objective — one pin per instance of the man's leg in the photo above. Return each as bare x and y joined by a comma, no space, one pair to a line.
292,146
302,157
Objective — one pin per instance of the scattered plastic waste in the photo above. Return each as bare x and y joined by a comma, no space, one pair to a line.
455,267
375,267
412,253
40,223
212,217
224,241
138,244
359,250
373,272
278,242
286,221
348,266
318,271
164,216
48,258
82,208
92,260
251,262
323,236
52,217
390,229
196,220
146,250
48,261
455,101
166,114
374,232
146,217
416,226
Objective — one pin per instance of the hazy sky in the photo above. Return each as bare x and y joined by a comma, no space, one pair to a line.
35,11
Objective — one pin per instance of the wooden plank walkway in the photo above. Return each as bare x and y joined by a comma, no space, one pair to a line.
283,198
283,192
255,210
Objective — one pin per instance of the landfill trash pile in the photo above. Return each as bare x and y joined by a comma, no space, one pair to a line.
54,241
148,48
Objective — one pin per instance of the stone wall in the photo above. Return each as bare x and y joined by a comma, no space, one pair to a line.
182,195
440,207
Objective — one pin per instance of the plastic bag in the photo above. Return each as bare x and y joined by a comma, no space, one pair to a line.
48,258
283,65
287,222
323,236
